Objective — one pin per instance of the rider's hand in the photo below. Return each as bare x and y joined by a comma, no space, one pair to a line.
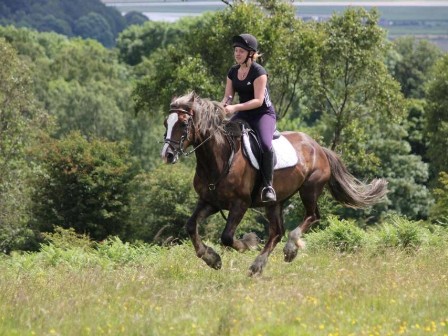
230,109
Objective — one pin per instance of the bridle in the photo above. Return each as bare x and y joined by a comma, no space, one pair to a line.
178,150
177,146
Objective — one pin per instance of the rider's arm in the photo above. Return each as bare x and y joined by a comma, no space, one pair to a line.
230,92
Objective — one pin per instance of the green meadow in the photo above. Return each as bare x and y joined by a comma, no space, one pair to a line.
390,280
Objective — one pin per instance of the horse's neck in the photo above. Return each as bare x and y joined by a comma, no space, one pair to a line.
212,158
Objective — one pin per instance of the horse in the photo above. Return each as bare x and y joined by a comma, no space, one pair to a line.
225,180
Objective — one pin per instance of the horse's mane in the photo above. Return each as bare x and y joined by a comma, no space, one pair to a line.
208,115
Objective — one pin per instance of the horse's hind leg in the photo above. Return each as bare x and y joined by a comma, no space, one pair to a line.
206,253
309,193
276,231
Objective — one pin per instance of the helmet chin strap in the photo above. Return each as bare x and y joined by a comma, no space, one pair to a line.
247,57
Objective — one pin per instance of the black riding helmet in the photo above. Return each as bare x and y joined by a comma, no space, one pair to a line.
245,41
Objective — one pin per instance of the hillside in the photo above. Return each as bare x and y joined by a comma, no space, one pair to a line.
84,18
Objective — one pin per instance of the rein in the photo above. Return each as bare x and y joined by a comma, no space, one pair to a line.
194,148
212,186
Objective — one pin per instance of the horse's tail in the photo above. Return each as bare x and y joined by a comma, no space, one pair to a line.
350,191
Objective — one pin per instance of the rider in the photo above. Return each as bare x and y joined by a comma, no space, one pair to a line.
249,79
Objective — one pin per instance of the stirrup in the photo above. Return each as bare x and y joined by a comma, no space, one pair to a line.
268,194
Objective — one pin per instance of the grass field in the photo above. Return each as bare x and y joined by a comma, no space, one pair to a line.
121,289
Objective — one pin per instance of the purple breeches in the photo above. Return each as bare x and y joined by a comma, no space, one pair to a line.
263,124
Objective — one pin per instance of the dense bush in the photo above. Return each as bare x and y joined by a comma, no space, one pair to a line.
396,232
79,251
75,251
399,232
83,185
340,235
162,202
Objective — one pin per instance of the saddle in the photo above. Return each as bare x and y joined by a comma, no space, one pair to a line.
284,153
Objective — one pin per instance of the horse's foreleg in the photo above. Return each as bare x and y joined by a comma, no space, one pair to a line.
309,194
276,231
206,253
236,214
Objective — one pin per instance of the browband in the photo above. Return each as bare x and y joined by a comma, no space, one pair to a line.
179,110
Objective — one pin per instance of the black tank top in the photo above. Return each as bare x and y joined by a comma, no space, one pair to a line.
245,87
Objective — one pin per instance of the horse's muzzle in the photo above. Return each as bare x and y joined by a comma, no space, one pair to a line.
168,155
171,158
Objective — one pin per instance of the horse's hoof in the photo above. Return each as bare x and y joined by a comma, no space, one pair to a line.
258,265
255,270
290,251
250,240
212,258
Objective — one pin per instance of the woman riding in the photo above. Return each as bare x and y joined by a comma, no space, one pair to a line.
249,79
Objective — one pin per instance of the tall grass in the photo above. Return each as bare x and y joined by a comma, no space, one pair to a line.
391,280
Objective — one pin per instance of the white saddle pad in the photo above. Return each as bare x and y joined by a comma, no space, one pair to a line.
284,152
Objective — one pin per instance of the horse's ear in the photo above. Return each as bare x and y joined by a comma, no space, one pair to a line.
192,96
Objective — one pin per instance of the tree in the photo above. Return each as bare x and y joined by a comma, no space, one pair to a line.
204,50
291,51
79,82
353,83
86,18
406,173
49,23
439,211
21,120
415,125
363,112
85,87
93,98
135,18
137,42
437,117
410,62
94,26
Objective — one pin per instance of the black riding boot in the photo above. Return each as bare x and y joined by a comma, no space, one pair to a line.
267,170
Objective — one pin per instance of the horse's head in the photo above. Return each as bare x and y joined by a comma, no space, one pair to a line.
179,128
191,121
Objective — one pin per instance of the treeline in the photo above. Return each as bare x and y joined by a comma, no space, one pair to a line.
84,18
80,124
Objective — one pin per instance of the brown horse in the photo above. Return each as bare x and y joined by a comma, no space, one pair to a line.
225,179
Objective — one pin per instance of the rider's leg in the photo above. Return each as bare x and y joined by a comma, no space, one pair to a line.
268,192
265,127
